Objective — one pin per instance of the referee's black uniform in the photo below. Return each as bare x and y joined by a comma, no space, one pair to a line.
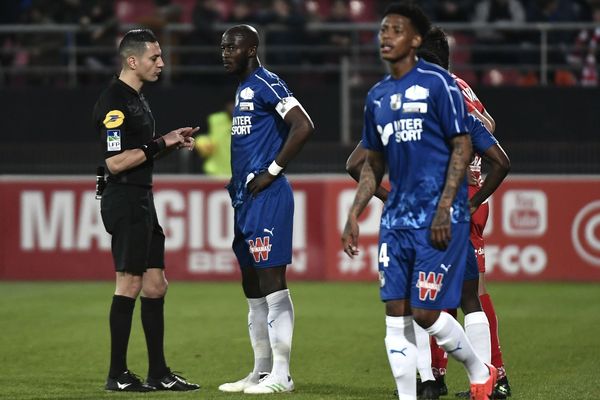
124,121
125,126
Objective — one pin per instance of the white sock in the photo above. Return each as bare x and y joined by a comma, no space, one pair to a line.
423,354
451,337
477,329
401,348
259,334
280,322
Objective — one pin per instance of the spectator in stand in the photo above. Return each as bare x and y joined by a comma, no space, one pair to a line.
165,12
556,11
10,13
342,39
43,49
559,41
99,14
453,10
285,27
315,13
205,15
497,12
242,13
585,54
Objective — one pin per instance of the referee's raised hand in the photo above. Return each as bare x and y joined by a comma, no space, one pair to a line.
178,137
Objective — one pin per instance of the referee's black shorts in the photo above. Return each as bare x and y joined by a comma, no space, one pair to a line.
138,241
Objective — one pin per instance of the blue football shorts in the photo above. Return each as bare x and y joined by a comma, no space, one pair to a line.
472,268
263,227
411,268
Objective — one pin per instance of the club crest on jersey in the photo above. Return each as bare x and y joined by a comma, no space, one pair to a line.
247,94
416,92
395,101
113,140
429,286
260,248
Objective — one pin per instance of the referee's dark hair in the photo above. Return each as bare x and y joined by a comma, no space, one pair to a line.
413,12
134,42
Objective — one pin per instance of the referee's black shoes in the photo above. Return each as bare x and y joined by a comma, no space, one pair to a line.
171,381
127,382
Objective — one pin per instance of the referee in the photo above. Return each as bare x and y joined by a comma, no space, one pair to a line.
125,125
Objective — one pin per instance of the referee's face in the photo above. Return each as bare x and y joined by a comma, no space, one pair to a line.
150,63
397,38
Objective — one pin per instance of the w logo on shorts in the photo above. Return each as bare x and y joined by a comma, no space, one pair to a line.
260,249
430,285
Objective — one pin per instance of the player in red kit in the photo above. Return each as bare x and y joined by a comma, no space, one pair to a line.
436,41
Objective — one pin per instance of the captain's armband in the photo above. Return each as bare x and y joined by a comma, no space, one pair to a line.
285,105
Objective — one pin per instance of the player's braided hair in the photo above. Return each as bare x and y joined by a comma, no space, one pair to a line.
429,56
413,12
134,42
436,42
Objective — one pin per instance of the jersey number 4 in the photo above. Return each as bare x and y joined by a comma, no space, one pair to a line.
383,257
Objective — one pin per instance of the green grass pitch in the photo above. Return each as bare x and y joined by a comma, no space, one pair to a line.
54,340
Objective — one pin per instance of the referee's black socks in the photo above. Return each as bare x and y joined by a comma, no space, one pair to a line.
121,312
153,322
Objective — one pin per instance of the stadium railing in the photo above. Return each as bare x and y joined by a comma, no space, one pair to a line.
539,49
539,54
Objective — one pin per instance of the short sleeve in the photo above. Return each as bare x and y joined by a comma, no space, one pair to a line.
274,92
371,137
481,138
450,108
110,118
471,100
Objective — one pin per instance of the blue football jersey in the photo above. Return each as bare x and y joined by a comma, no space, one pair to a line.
258,130
481,138
411,121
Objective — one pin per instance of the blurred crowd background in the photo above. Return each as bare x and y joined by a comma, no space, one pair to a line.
532,62
495,42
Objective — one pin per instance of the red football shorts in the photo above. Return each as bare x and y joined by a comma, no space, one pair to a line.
478,221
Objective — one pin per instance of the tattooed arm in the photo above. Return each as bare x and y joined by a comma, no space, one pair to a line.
354,166
370,178
457,166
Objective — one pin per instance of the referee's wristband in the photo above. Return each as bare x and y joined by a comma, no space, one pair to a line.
275,169
152,148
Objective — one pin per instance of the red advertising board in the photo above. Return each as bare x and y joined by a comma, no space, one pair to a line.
540,228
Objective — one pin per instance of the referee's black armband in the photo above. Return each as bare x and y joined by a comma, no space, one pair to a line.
152,148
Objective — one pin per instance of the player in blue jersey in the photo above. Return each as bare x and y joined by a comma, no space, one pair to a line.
485,144
269,128
415,124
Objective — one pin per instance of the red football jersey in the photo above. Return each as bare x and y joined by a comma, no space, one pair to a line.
473,103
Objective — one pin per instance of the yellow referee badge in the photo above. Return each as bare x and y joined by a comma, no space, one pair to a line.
114,119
